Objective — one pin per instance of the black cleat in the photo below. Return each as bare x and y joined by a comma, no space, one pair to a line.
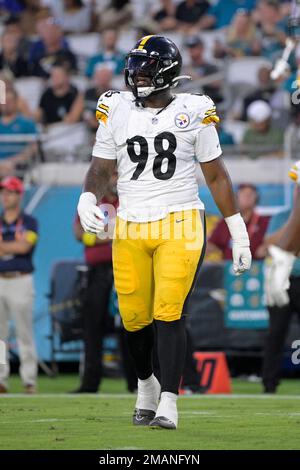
142,417
162,422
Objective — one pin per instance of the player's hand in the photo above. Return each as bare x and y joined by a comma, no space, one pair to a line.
294,172
242,258
277,276
91,217
241,253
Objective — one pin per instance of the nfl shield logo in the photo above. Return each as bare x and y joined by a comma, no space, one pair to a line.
182,120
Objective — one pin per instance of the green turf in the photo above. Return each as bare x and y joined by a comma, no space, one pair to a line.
254,421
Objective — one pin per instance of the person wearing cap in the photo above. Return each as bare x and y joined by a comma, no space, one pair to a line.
200,68
219,240
51,48
18,237
261,132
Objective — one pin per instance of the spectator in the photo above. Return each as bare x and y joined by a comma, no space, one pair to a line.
13,25
272,35
22,104
165,15
61,101
11,6
240,37
279,317
51,49
14,153
75,15
18,237
257,225
189,12
10,58
261,132
220,15
98,255
200,68
34,10
118,13
102,81
265,91
109,54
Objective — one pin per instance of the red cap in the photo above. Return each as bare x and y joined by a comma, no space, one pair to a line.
12,183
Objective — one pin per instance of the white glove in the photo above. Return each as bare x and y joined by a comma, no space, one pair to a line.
277,274
90,215
294,172
241,253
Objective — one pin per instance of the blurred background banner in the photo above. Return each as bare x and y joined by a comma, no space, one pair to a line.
244,306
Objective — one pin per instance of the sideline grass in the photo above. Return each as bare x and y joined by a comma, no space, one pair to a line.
253,421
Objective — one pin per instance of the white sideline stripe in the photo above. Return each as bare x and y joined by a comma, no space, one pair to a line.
106,396
36,199
186,415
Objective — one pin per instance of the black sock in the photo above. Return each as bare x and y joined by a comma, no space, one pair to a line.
140,344
171,346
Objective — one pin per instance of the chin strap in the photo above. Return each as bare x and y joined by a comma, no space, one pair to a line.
144,92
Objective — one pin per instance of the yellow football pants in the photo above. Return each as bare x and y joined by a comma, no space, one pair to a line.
155,264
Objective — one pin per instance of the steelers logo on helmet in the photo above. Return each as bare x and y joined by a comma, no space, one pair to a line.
158,60
182,120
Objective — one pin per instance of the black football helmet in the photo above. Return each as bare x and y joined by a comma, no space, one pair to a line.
159,59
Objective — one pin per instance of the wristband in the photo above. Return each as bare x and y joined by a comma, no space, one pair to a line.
88,197
237,229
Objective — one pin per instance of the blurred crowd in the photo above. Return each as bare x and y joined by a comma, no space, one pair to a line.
58,56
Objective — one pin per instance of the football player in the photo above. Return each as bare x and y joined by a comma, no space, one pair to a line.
284,253
156,138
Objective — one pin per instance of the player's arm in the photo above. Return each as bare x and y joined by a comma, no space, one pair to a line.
207,151
290,236
100,170
19,247
283,250
219,183
95,185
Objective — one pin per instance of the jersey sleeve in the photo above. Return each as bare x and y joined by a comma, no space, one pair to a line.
207,143
105,146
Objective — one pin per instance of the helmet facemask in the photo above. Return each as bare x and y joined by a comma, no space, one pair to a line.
151,66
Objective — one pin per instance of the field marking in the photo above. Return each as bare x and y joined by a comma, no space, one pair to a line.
118,396
186,415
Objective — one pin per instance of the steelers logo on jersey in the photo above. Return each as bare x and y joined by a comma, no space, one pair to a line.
182,120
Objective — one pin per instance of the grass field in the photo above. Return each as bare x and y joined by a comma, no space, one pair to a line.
54,420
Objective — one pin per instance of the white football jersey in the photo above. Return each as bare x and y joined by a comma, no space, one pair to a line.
156,151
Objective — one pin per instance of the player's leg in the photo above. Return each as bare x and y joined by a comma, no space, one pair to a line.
176,265
20,303
4,319
133,275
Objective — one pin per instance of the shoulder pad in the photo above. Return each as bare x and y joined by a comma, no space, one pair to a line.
105,105
204,107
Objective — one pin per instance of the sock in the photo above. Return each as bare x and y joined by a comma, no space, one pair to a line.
171,346
168,407
140,344
148,394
